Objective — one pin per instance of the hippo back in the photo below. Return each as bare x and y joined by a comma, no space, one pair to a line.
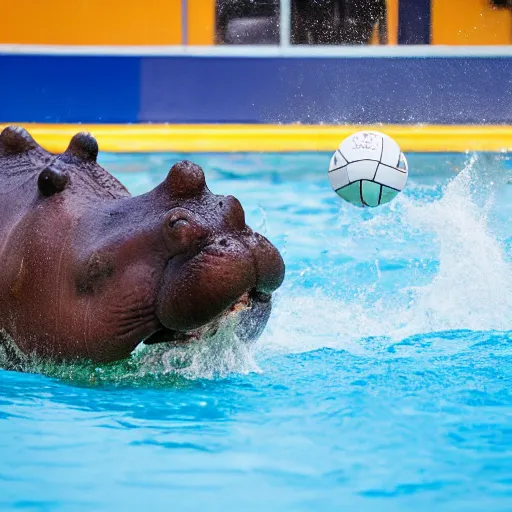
28,174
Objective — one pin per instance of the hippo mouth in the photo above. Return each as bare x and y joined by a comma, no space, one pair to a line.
252,309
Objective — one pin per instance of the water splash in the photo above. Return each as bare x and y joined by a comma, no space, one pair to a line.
469,288
216,356
473,288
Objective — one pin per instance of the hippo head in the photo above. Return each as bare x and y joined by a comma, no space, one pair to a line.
177,262
214,263
89,271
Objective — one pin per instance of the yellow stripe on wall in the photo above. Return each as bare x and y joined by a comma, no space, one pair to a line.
269,138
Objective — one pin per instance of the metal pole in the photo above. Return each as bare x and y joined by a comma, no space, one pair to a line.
184,22
285,23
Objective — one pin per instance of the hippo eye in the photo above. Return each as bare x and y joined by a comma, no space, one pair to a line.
182,231
178,223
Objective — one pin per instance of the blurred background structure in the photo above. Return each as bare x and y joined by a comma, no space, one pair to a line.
257,62
209,22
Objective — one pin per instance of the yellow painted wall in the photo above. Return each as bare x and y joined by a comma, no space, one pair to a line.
392,12
201,22
470,22
91,22
158,22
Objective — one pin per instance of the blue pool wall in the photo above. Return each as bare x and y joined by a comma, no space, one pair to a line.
206,89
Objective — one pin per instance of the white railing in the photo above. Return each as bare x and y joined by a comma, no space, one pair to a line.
285,23
425,51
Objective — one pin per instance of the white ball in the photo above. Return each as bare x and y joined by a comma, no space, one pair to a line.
368,169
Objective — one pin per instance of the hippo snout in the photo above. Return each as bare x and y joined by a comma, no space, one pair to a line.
268,262
216,264
198,289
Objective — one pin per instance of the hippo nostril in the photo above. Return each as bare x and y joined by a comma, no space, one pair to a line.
223,242
232,213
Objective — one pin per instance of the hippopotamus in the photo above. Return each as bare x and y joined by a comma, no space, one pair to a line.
89,272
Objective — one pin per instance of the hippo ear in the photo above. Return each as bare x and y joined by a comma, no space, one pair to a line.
83,147
16,140
186,179
51,181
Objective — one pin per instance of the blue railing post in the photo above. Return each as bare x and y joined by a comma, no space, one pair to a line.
414,21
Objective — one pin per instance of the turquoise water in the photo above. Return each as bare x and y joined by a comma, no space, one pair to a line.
383,380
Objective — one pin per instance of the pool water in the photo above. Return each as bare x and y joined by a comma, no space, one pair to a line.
382,382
